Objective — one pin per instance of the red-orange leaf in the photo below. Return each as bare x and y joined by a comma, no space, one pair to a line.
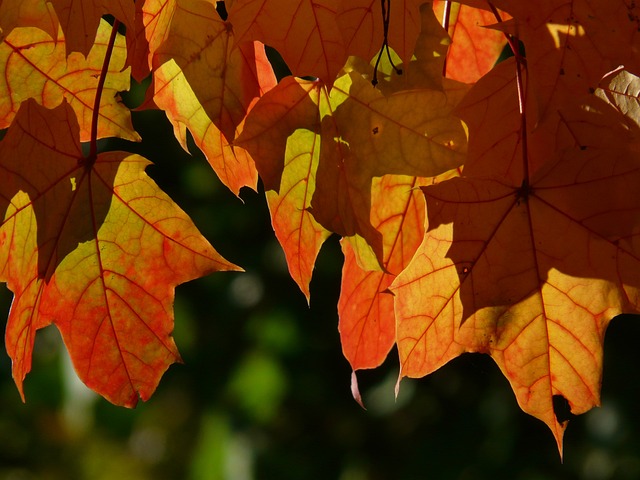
304,32
32,65
97,250
367,323
474,49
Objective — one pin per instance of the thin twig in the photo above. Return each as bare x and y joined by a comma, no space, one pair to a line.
93,145
446,18
514,43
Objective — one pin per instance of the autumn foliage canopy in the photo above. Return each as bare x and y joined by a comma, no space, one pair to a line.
483,207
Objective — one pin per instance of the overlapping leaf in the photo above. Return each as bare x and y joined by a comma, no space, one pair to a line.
528,270
96,249
365,308
33,65
206,83
397,134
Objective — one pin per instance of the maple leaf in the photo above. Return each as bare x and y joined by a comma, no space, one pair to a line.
304,32
33,65
398,134
529,269
95,248
225,78
80,20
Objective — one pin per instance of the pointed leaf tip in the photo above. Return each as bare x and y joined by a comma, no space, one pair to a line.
355,391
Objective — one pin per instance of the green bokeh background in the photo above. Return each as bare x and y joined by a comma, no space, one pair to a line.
264,391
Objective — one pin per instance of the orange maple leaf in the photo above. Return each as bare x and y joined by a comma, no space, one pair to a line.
363,135
33,65
528,259
283,137
366,135
95,248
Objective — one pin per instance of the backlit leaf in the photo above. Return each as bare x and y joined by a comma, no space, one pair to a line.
32,65
297,231
95,249
408,133
530,273
367,323
225,78
208,85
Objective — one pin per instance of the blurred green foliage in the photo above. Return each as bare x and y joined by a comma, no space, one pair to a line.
264,391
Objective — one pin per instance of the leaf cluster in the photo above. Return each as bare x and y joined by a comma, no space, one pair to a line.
482,208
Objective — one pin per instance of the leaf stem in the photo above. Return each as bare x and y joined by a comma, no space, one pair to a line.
446,18
521,63
386,16
93,145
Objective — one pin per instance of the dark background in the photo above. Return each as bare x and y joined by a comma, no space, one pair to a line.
264,392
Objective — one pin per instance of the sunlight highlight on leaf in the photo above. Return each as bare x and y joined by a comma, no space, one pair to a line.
298,232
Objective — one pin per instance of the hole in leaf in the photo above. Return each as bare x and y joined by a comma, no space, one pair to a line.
562,409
